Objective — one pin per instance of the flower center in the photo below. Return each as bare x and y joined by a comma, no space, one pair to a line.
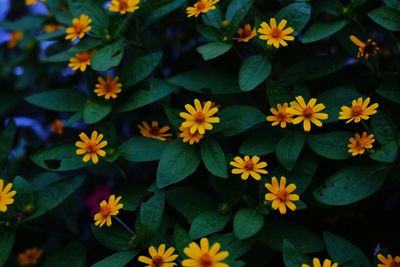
154,130
91,148
105,211
282,116
249,165
308,112
199,117
200,5
357,110
123,4
205,260
283,195
395,264
78,27
83,57
157,261
276,33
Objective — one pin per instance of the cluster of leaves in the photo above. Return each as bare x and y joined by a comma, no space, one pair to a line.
174,192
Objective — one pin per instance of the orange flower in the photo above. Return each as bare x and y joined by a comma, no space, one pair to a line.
57,127
108,87
276,35
80,26
123,6
280,115
365,49
154,131
358,143
15,38
80,61
245,34
187,136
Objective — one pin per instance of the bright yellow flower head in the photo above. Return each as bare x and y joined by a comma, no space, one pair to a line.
201,6
29,257
15,38
52,27
204,256
91,147
280,195
154,131
280,116
358,143
6,196
107,210
199,117
160,257
389,261
245,34
317,263
80,26
108,87
249,167
187,136
123,6
276,35
365,49
80,61
57,127
359,110
307,112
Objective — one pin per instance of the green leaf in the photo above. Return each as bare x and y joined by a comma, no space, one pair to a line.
383,128
342,251
393,3
276,231
73,254
142,97
260,142
51,35
279,93
161,12
296,14
182,239
115,237
63,56
119,259
253,72
387,17
389,88
207,223
213,18
139,149
247,223
289,147
108,56
95,110
331,145
178,161
58,100
207,81
213,50
60,157
229,242
151,211
139,69
55,194
214,157
7,240
24,197
321,30
25,23
235,14
6,140
237,119
351,184
292,256
208,32
387,153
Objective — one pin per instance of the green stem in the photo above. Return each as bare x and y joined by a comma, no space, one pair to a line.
366,127
127,228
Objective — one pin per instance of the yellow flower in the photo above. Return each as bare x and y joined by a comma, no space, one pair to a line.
57,127
359,110
307,112
80,61
249,167
204,256
107,210
276,35
123,6
280,115
389,261
187,136
358,143
52,27
245,34
6,196
160,257
32,2
154,131
80,26
365,49
15,38
317,263
201,6
280,195
29,257
108,87
91,147
199,117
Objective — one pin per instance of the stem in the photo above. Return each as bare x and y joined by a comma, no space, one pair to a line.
238,53
125,226
243,192
366,127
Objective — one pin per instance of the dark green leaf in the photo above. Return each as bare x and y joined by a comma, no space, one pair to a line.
73,254
59,100
24,197
387,153
209,32
214,157
230,243
95,110
138,149
213,18
235,13
115,237
253,72
108,56
151,211
213,50
247,223
383,128
332,145
119,259
321,30
207,223
390,88
260,142
297,15
292,256
289,147
160,12
387,17
6,244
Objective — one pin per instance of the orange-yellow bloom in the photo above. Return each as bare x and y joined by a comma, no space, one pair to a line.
280,116
109,88
6,196
204,256
389,261
365,49
29,257
80,26
15,38
249,167
201,6
276,35
57,127
107,210
280,195
154,131
160,257
187,136
359,110
245,34
317,263
91,147
80,61
32,2
199,118
307,112
358,143
123,6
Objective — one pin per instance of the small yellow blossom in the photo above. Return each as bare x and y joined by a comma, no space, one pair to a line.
109,88
154,131
359,143
123,6
29,257
317,263
276,35
199,118
57,127
201,6
80,26
188,137
107,210
281,195
160,257
15,38
359,110
204,256
80,61
365,49
245,34
249,167
389,261
6,196
91,147
280,115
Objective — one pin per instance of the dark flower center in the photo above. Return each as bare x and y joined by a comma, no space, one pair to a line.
83,57
395,264
308,112
357,110
200,5
157,261
205,260
249,165
283,195
154,130
105,211
276,33
123,4
91,148
199,117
